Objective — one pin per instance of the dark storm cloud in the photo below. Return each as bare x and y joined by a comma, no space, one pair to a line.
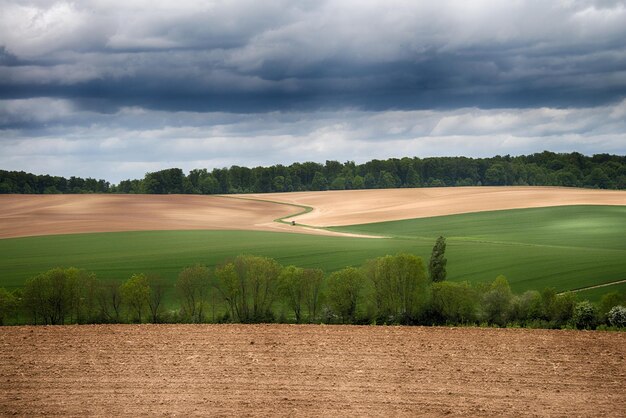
115,88
264,56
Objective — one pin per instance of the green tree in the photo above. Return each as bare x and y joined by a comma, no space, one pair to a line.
249,286
495,175
608,301
209,185
155,299
401,287
319,182
617,316
387,180
279,184
454,303
293,287
497,302
48,297
598,178
344,292
527,306
338,183
358,183
584,316
438,261
110,302
564,305
413,178
135,294
82,287
8,305
313,281
193,287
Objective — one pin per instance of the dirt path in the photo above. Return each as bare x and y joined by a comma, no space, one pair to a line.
270,370
598,285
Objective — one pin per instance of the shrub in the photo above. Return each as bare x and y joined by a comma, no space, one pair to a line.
584,315
497,302
607,302
564,305
455,303
617,316
8,305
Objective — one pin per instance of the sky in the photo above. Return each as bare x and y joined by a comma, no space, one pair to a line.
113,89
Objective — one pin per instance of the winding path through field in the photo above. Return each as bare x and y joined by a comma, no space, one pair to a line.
27,215
351,207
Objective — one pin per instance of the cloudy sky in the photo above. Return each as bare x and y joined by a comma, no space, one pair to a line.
115,88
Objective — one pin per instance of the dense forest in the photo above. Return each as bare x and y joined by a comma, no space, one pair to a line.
602,171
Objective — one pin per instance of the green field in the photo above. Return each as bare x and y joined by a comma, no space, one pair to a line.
563,247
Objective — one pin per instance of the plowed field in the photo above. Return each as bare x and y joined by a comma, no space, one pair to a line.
26,215
352,207
274,370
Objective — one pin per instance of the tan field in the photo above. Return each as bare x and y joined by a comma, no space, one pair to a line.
30,215
350,207
26,215
309,370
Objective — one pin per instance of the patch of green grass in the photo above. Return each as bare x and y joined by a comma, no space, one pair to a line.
602,227
566,248
120,254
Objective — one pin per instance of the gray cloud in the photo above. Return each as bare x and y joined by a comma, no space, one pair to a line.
113,88
51,135
248,56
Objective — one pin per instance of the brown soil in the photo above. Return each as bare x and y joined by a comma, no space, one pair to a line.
351,207
271,370
26,215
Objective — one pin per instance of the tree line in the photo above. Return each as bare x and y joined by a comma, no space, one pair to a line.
603,171
394,289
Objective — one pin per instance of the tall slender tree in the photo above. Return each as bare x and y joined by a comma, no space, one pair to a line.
438,261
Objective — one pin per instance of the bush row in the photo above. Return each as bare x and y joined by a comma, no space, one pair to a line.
386,290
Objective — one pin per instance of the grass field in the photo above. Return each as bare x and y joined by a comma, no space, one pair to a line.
563,247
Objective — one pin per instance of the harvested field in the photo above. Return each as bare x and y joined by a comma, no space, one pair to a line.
309,370
352,207
28,215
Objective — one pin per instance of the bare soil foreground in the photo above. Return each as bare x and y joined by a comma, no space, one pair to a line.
352,207
269,370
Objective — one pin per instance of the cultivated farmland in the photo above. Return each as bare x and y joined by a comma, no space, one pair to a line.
567,238
567,247
26,215
351,207
271,370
